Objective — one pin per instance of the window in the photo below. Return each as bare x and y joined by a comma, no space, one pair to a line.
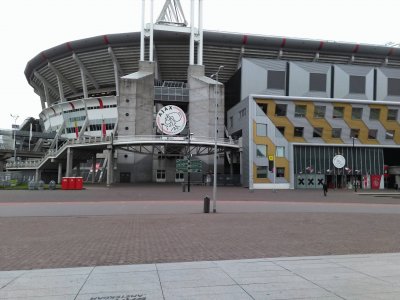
298,131
179,176
319,112
280,151
160,174
392,115
262,172
336,133
264,109
354,132
242,113
357,84
300,111
281,129
261,150
338,112
276,80
280,110
280,172
231,121
261,129
374,113
372,133
393,86
318,132
356,113
389,134
318,82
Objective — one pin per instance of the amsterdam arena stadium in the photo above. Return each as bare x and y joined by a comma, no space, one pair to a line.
174,103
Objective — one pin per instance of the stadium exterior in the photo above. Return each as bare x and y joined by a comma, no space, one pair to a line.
285,107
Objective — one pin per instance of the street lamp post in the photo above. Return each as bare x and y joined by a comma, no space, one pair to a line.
15,117
215,139
353,165
188,154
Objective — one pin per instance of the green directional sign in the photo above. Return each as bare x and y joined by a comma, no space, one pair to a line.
191,166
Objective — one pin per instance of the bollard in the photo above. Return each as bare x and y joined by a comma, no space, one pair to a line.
206,208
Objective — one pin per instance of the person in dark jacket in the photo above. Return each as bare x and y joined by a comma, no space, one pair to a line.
325,188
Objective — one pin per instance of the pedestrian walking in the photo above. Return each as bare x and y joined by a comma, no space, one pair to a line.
325,188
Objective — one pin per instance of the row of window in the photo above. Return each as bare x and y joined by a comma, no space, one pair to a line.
338,112
92,127
262,151
262,172
318,83
261,130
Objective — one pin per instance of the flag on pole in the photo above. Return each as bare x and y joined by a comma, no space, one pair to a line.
30,136
76,129
103,128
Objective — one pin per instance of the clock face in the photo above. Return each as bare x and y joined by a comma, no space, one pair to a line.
339,161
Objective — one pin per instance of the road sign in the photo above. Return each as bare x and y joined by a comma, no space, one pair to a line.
191,166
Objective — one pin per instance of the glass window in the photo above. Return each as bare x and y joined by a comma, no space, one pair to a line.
357,84
319,112
179,175
264,109
280,110
231,121
298,131
338,112
280,151
393,86
262,172
160,174
336,133
318,82
318,132
276,80
300,111
280,172
372,133
261,150
356,113
389,134
374,113
354,132
281,130
261,129
392,115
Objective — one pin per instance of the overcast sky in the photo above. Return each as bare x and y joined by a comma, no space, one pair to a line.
30,26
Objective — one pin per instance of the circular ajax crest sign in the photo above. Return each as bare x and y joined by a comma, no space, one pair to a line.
171,119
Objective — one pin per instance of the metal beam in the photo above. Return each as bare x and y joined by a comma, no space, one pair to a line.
115,61
46,84
61,76
85,71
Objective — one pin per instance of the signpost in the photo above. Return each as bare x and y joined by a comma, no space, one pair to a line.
192,166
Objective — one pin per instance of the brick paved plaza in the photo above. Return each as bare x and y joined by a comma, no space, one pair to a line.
154,224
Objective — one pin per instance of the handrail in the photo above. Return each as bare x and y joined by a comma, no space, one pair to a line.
116,140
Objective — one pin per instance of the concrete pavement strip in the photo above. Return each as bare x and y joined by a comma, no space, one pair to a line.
367,276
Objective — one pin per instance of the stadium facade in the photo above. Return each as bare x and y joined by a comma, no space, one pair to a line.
273,112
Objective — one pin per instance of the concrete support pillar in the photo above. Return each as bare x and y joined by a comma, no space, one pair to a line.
37,175
59,177
109,166
70,156
94,168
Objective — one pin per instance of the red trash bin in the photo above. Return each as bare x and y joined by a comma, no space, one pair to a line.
78,183
71,181
65,183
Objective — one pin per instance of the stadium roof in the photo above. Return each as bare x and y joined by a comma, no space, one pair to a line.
171,52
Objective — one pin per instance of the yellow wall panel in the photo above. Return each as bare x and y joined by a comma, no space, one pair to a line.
388,125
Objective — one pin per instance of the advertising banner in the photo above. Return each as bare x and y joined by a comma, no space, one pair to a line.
375,182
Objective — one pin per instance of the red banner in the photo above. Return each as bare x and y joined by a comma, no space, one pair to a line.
375,182
103,129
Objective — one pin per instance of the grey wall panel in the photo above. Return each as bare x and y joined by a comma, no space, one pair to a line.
342,81
299,79
255,76
382,76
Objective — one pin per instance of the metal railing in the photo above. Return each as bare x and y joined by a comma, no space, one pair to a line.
118,140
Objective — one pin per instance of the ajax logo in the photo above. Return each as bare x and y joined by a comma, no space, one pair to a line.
171,119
